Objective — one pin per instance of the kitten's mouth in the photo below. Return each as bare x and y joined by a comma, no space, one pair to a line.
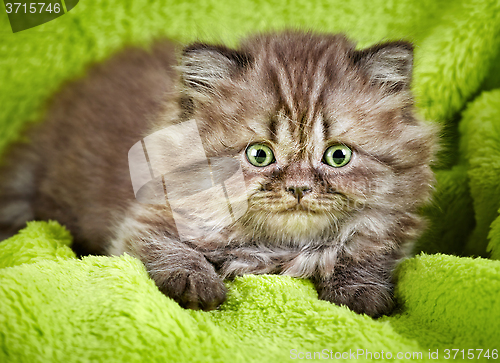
299,208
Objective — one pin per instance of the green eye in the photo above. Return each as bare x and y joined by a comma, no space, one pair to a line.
337,155
260,155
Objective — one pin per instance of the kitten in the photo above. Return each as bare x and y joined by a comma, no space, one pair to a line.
334,162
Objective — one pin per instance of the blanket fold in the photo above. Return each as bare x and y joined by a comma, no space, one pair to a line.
101,309
55,307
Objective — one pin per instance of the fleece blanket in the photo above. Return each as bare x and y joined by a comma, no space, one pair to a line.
55,307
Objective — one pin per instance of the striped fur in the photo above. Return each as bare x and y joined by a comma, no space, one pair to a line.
297,92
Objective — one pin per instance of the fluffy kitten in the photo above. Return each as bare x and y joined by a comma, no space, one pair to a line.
334,162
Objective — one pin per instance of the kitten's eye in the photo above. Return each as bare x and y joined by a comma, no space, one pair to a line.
260,155
337,155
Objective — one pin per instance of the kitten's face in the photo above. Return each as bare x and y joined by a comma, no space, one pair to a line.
324,133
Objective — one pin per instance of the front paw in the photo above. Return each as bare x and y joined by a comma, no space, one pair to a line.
193,287
371,299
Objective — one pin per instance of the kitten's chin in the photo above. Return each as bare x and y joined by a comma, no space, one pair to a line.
290,226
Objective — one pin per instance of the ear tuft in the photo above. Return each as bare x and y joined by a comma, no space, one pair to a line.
389,64
204,66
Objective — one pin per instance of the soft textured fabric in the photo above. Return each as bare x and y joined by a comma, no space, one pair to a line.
54,307
103,309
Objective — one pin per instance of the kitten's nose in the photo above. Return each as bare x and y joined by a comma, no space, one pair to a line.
298,192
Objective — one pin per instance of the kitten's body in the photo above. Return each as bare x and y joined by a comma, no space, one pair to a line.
297,92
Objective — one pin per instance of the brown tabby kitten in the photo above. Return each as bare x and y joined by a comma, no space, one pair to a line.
334,161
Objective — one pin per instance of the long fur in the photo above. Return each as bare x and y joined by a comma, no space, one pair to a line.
299,93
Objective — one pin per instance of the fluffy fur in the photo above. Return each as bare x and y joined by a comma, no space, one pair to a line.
344,228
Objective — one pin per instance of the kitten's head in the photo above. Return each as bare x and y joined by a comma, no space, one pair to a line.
325,133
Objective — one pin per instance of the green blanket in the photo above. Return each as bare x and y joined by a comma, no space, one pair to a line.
57,308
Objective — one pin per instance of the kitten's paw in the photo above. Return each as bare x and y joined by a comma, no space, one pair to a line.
196,288
373,300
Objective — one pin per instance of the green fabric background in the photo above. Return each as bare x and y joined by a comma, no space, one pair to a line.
54,307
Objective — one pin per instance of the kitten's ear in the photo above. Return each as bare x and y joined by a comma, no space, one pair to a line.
389,64
204,66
